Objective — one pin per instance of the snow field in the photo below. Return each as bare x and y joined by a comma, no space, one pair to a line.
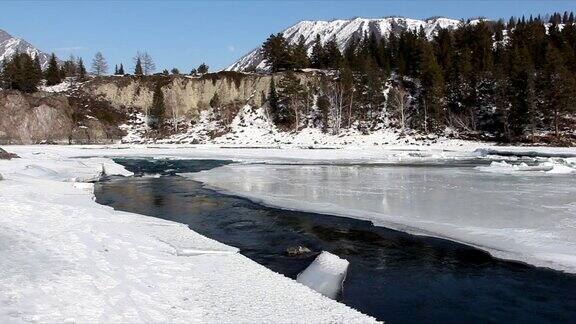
64,258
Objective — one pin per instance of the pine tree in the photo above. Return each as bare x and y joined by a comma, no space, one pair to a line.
99,64
19,73
121,69
157,111
81,70
300,54
333,57
52,74
277,53
318,56
560,87
432,87
138,67
290,99
37,67
202,68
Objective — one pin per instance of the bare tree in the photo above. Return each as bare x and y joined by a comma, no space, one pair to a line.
398,101
146,63
335,94
99,65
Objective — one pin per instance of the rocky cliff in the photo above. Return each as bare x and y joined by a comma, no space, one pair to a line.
186,96
93,111
56,118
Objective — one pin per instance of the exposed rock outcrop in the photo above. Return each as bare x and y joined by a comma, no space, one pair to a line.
53,118
6,156
186,96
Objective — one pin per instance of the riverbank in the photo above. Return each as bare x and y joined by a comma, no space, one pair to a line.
65,258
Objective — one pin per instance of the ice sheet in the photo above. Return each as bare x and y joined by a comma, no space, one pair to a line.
514,216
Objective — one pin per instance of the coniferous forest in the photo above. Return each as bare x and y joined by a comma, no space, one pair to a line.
507,81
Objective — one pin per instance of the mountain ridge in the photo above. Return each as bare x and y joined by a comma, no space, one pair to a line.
10,45
344,30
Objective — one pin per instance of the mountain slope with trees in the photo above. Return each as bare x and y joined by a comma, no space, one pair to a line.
506,81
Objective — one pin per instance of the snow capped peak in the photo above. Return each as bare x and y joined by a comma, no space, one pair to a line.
344,30
10,45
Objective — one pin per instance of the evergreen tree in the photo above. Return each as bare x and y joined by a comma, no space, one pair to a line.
138,67
300,54
333,57
116,69
69,67
560,86
52,74
202,68
20,73
318,56
81,70
121,69
277,53
432,88
290,99
157,111
37,67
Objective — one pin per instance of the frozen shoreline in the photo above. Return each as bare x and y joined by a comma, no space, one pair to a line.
57,241
65,258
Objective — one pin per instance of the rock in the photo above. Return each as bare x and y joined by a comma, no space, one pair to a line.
7,156
297,250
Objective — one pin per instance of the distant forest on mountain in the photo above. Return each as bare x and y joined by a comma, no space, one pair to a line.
509,81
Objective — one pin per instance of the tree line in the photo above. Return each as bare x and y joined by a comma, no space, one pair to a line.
24,72
508,80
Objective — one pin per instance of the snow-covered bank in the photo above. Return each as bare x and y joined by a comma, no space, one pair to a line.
64,258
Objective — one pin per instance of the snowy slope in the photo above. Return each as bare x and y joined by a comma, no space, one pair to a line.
66,259
344,31
10,45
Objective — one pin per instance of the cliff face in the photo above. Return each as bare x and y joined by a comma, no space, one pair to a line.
93,112
185,96
58,118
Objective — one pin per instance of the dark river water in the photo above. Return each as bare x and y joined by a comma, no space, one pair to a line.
393,276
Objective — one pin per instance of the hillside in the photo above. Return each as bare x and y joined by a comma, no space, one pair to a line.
344,31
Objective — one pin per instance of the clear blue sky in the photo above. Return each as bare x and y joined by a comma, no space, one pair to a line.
185,33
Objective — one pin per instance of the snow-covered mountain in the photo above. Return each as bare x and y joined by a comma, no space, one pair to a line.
9,45
344,31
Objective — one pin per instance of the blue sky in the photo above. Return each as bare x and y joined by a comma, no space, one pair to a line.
183,34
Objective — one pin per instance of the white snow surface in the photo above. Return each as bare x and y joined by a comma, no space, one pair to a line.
65,258
63,86
252,127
